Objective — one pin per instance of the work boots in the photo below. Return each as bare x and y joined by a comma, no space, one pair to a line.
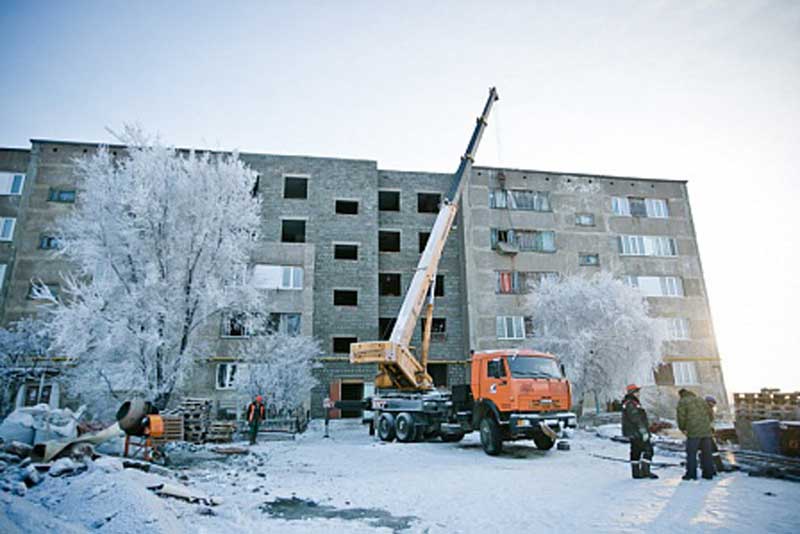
645,470
636,470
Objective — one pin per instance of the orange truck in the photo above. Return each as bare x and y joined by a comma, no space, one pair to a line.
513,394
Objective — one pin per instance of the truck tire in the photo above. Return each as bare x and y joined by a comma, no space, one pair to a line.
404,427
543,443
491,438
386,429
453,438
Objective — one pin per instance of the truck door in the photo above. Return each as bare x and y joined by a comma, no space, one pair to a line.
497,388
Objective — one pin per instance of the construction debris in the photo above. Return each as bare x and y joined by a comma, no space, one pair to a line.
221,431
182,492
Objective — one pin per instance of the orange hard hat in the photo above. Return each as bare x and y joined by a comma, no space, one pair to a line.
258,398
632,388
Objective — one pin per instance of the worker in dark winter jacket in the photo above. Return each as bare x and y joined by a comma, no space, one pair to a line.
711,402
636,429
694,421
256,412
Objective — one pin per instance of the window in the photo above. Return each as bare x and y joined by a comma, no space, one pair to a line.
584,219
685,373
295,187
428,202
439,291
345,297
48,242
495,368
385,327
61,195
234,325
293,231
519,199
644,245
640,207
388,241
11,183
525,240
345,252
7,228
657,208
438,372
32,396
341,345
590,260
656,286
54,290
510,327
678,327
276,277
389,200
347,207
423,241
438,328
283,323
3,268
389,284
637,207
226,375
516,282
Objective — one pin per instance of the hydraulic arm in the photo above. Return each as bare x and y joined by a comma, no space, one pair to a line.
397,367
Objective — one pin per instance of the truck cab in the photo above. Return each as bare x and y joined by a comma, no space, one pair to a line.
519,394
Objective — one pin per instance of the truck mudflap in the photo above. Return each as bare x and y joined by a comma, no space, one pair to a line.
527,424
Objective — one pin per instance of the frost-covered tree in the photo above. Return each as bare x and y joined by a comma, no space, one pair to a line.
21,346
600,330
278,367
159,240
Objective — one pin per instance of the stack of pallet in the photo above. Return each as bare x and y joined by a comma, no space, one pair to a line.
173,430
196,419
767,404
221,431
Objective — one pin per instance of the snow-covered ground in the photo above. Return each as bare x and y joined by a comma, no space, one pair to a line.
354,483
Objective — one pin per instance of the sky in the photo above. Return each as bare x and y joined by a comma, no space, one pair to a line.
705,91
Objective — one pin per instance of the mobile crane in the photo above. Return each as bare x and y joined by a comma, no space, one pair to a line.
513,394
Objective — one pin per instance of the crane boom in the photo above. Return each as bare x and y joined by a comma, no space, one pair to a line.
398,368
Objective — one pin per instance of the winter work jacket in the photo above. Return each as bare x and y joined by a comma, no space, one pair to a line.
634,419
256,412
693,416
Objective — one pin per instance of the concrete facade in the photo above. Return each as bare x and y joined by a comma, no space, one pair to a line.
341,210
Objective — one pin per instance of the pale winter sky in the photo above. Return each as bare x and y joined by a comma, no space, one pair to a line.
705,91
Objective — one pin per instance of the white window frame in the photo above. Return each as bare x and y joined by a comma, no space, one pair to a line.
620,206
685,373
287,277
656,286
647,245
657,208
230,375
7,183
516,324
678,328
10,236
584,219
3,268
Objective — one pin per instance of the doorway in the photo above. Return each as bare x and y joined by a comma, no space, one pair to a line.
352,391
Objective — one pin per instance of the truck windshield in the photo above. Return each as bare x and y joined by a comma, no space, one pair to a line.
533,367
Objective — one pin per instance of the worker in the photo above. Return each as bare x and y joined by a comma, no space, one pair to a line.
636,429
711,402
694,421
256,412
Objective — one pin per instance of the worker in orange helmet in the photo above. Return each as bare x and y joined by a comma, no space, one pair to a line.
256,412
636,428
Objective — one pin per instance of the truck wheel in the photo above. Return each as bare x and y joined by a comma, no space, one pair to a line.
386,427
404,427
543,443
491,439
453,438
